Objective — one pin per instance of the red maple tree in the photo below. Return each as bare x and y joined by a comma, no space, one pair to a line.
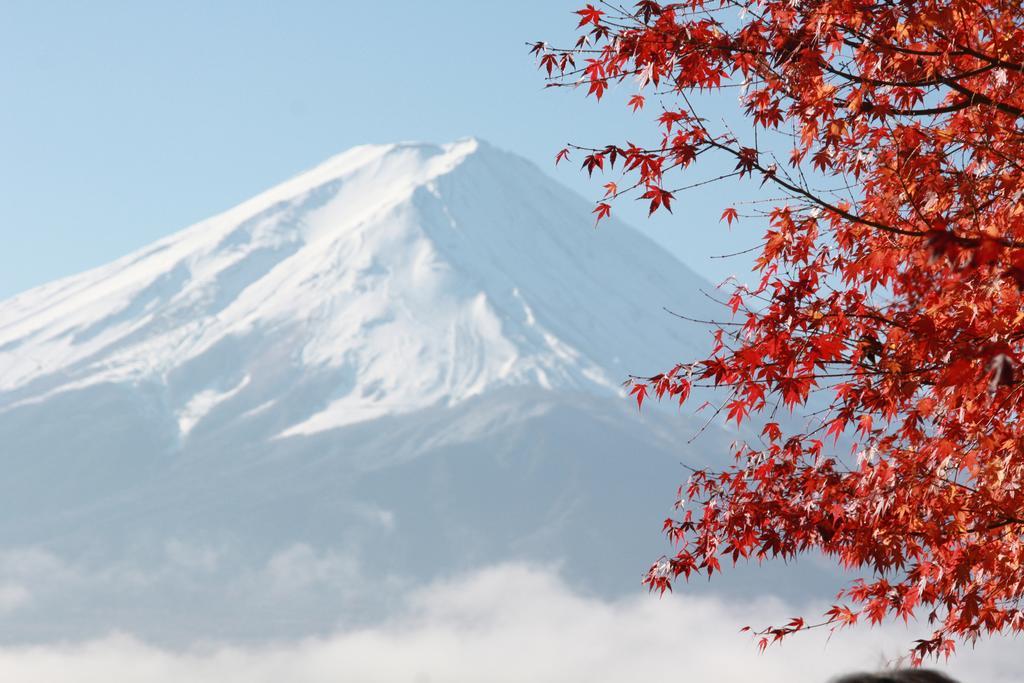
891,282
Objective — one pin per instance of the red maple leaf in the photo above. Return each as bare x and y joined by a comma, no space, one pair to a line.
590,15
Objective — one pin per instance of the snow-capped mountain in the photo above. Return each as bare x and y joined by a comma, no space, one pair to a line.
399,277
400,364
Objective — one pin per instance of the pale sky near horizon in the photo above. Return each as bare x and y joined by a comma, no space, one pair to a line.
124,122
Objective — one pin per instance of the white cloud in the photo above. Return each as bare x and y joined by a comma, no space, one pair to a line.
27,573
513,624
385,519
34,563
300,567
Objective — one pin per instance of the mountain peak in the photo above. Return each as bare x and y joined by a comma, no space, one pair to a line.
378,282
372,173
413,156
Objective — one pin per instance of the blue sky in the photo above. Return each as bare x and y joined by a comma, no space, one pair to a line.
126,121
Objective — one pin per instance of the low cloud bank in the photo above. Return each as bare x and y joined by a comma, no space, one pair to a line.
516,624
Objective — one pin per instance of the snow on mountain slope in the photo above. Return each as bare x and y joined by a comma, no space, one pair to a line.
403,276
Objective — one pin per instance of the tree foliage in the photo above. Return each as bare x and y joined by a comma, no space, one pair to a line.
890,281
